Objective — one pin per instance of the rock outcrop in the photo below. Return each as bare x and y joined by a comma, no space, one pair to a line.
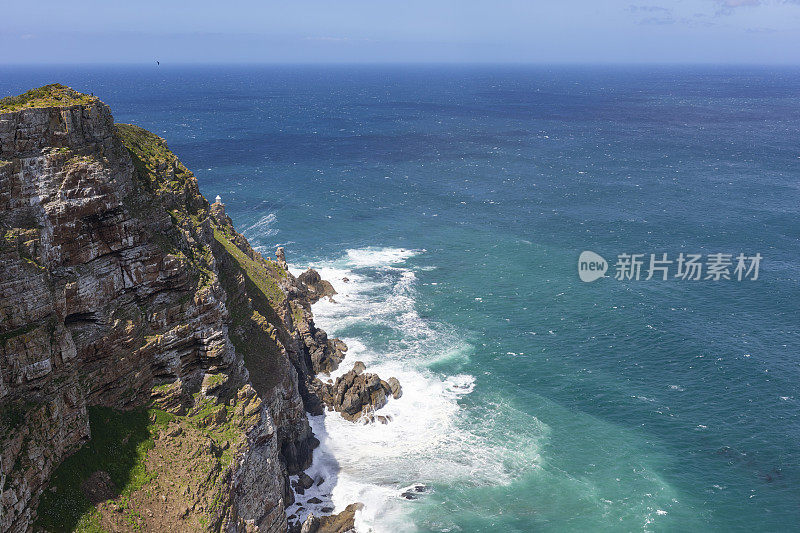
358,394
343,522
123,290
316,287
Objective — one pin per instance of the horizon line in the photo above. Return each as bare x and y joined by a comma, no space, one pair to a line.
403,63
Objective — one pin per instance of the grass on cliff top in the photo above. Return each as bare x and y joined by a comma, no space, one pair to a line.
53,95
119,445
157,167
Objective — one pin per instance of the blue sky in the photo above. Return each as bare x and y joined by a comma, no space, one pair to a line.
353,31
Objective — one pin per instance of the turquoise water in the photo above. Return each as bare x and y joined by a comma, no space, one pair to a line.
456,201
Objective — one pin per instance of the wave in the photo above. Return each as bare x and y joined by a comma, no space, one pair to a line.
262,228
379,257
432,438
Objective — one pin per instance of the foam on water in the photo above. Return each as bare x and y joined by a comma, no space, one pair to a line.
379,257
263,227
431,438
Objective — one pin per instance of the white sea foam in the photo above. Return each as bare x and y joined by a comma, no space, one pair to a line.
431,438
263,227
379,257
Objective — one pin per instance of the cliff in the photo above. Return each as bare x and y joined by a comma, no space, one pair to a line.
155,370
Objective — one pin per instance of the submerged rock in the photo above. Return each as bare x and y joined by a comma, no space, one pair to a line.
413,492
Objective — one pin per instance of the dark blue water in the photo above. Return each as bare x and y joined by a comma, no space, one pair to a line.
457,200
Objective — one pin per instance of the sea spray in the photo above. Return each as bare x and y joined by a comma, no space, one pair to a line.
431,440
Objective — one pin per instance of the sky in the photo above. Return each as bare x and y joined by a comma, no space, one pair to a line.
407,31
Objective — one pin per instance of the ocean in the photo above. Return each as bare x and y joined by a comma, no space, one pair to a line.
456,201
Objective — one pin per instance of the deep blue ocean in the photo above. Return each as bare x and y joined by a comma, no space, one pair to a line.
456,201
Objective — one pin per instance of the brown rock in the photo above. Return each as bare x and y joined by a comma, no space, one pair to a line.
342,522
117,286
355,394
315,286
306,481
395,388
310,525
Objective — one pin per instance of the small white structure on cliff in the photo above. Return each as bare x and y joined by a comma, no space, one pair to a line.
218,199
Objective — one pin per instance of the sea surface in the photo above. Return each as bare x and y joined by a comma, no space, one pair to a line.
456,201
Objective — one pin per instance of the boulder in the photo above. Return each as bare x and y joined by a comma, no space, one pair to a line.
306,481
356,393
339,345
311,524
340,523
281,257
316,287
395,388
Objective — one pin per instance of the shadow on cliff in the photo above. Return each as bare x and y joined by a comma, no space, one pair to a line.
110,464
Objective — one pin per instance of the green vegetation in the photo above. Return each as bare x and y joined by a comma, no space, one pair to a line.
119,445
12,415
53,95
25,240
78,159
161,419
149,153
297,313
256,271
256,328
213,380
218,422
164,388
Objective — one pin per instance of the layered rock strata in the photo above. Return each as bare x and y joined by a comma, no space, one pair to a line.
155,370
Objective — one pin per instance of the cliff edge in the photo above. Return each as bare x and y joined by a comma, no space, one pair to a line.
155,370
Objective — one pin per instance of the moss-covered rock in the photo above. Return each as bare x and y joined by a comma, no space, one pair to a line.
53,95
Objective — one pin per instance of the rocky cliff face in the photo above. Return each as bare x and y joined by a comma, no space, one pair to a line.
122,290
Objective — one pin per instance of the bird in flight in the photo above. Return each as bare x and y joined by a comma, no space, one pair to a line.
158,62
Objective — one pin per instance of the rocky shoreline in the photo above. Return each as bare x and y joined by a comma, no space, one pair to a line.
355,396
155,370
